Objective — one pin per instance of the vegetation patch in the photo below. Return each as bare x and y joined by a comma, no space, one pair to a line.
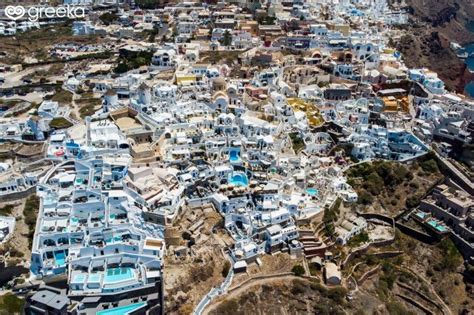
226,57
63,97
60,123
87,110
296,141
130,61
451,258
30,213
6,210
108,18
226,268
11,304
393,186
359,239
298,270
330,215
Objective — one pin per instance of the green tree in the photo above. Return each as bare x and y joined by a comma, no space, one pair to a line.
226,268
108,18
226,38
11,304
430,166
298,270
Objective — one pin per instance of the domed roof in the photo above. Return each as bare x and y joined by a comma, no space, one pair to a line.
219,84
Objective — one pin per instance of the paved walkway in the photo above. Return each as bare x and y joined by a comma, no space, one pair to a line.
236,291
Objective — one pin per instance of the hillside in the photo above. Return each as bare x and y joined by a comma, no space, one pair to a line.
435,24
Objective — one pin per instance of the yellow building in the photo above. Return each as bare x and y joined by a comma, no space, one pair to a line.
185,79
312,112
393,104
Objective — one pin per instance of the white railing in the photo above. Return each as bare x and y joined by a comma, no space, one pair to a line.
214,292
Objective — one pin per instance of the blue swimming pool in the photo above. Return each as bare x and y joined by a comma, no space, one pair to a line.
60,258
234,156
312,191
238,179
122,310
115,239
437,226
118,275
421,215
80,278
94,277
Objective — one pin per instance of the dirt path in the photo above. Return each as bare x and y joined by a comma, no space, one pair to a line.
247,285
75,108
447,310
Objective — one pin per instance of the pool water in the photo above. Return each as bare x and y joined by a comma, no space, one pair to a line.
94,277
118,275
234,156
79,278
421,215
122,310
438,227
238,179
115,239
60,258
312,191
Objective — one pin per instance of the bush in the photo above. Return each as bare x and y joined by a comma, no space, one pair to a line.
6,210
430,166
414,185
318,287
298,288
226,268
365,198
228,307
337,294
11,304
131,61
296,142
108,18
412,202
371,260
451,257
298,270
397,308
374,184
358,239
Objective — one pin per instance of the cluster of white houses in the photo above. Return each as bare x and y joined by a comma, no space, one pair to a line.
265,138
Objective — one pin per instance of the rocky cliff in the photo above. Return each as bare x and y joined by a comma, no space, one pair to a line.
434,24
